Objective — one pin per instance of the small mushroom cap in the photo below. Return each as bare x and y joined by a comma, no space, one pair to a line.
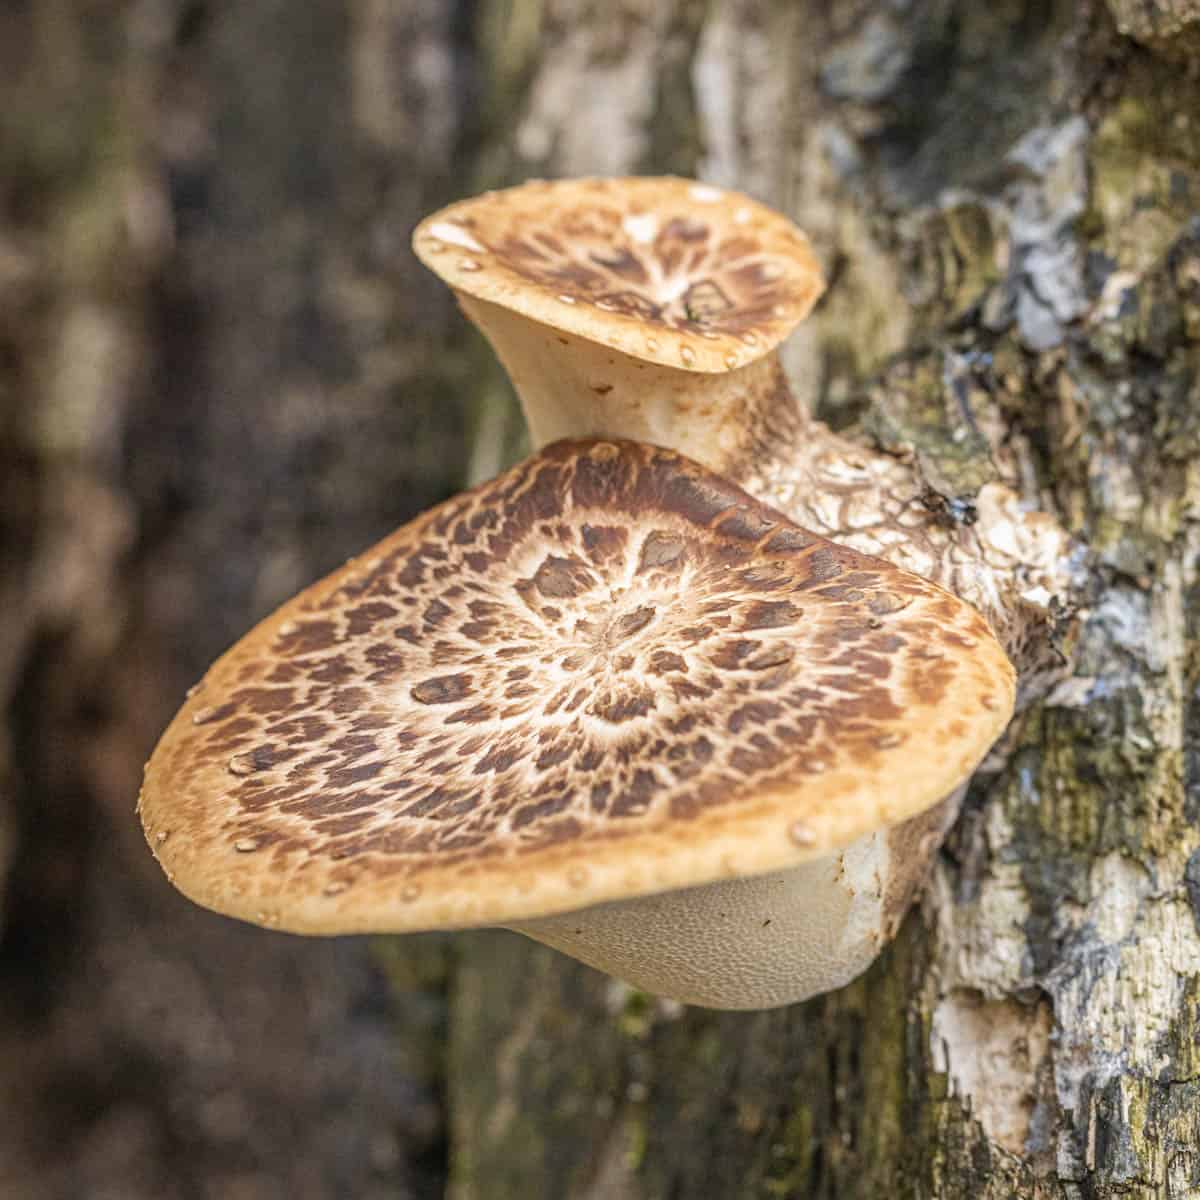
606,673
665,270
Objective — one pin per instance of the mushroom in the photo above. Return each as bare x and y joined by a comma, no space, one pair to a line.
609,700
644,308
652,309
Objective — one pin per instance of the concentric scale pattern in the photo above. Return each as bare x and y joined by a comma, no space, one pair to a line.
606,645
680,273
625,262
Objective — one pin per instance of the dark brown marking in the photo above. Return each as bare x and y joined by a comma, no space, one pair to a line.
632,622
660,550
562,578
704,300
770,614
443,689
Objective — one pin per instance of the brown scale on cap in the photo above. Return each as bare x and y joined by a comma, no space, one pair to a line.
664,269
605,673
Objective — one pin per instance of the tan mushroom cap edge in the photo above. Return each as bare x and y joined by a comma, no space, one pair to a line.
606,673
663,269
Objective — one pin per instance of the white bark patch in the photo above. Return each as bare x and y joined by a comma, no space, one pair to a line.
992,1052
1123,615
982,941
1075,692
589,107
1112,296
1118,996
741,77
1122,1003
1117,885
715,85
1042,209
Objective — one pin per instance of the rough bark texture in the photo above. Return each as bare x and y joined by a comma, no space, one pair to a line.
220,372
1006,197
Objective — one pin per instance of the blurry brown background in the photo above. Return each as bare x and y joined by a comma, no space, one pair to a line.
222,372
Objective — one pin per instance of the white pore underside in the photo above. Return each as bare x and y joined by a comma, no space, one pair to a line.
743,943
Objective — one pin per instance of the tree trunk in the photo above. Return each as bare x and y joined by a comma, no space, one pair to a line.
221,372
1006,197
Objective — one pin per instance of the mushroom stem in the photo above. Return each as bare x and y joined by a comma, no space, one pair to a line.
571,387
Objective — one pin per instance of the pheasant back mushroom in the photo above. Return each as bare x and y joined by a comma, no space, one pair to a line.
652,309
644,307
607,699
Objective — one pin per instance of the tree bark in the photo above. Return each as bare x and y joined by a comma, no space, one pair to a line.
221,372
1006,199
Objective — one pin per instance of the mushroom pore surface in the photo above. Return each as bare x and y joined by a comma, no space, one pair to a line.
607,674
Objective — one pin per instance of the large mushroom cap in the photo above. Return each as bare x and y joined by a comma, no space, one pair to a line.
663,269
606,673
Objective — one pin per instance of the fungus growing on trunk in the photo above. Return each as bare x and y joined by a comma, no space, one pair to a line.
609,700
644,308
652,309
670,733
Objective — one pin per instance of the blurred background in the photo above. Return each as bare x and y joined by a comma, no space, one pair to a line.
222,372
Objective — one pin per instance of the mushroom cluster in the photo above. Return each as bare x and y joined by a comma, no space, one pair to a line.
615,698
